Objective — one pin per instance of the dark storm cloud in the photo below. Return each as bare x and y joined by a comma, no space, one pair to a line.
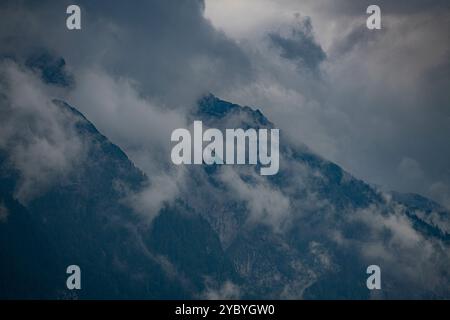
167,46
300,45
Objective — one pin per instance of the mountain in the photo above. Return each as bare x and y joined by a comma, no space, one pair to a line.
309,231
82,220
329,226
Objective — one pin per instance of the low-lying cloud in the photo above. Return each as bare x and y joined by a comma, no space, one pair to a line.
40,139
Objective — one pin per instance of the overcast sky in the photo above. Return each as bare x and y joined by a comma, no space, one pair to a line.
375,102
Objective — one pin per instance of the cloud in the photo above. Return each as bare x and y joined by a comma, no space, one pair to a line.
349,7
300,45
226,291
266,204
410,171
169,49
381,95
140,126
378,92
136,71
133,121
391,241
161,191
441,192
44,146
39,137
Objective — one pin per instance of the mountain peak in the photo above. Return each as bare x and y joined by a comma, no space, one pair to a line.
52,69
212,108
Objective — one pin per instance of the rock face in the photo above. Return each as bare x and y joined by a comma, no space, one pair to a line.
310,231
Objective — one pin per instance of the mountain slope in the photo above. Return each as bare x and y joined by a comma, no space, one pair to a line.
309,231
82,220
